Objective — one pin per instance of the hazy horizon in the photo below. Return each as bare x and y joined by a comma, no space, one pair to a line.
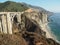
50,5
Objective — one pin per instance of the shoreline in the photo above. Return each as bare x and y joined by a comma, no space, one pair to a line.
48,30
51,34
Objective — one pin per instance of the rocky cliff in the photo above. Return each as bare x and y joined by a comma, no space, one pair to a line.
30,33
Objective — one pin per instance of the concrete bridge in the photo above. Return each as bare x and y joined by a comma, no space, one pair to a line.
6,21
7,18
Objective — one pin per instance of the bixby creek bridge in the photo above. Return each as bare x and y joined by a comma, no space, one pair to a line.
7,19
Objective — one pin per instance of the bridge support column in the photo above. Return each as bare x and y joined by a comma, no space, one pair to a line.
19,17
44,18
4,25
9,23
1,26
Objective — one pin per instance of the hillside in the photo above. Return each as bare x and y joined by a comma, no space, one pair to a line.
10,6
30,35
38,8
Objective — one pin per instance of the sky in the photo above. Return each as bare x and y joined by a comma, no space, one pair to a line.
50,5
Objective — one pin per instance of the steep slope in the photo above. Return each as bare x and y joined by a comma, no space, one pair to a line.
32,36
35,36
10,6
13,39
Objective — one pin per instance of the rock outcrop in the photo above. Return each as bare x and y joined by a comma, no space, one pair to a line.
30,33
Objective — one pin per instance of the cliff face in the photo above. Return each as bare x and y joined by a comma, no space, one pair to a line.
34,33
35,36
29,32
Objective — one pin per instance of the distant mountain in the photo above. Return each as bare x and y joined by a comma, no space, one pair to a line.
57,13
38,8
12,6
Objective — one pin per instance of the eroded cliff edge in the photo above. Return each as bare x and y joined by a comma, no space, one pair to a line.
29,32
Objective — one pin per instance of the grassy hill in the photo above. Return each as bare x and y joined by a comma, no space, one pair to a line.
10,6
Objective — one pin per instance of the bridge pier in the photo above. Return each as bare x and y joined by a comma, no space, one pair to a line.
9,23
4,24
19,17
44,18
0,26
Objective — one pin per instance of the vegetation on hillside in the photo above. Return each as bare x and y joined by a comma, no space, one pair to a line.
10,6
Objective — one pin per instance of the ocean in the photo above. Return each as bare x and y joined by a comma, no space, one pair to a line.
55,25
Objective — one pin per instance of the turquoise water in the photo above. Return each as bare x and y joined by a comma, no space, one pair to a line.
55,25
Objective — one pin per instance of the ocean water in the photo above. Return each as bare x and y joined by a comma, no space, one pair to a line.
55,25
